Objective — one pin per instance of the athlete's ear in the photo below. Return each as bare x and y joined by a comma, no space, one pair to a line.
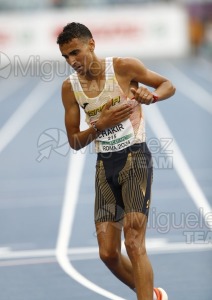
91,44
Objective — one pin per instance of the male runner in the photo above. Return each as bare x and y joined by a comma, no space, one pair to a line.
107,89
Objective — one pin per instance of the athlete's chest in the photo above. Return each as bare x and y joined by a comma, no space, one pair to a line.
92,88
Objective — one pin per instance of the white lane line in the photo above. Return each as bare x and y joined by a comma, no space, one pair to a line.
48,256
28,108
191,89
160,128
82,253
73,182
27,262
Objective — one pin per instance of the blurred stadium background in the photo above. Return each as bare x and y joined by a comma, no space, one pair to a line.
44,218
32,26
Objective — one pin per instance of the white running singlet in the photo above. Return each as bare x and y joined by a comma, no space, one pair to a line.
125,134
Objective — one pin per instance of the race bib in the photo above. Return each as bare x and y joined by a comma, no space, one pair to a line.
116,138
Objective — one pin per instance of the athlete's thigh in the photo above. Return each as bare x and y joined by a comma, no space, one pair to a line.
135,224
136,186
108,197
109,235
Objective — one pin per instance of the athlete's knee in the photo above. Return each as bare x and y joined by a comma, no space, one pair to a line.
109,256
135,247
109,240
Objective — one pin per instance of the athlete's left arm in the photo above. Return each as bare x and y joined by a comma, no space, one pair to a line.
163,87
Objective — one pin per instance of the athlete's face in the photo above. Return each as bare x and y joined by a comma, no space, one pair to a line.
78,54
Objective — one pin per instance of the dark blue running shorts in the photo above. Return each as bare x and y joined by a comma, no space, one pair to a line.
123,183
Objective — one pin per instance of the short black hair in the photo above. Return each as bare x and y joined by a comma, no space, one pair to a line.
73,30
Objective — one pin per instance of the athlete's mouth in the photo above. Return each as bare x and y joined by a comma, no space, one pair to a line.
78,69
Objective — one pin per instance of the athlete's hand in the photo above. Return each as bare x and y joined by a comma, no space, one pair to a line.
111,116
142,95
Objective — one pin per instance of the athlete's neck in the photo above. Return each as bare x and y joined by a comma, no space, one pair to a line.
96,70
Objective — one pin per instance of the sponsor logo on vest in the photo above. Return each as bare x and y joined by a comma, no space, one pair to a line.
97,110
84,105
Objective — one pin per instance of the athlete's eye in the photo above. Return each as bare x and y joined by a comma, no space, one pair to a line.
75,52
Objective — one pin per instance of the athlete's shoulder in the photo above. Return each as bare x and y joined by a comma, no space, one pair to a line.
66,85
68,96
125,64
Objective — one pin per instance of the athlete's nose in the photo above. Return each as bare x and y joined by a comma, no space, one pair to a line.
71,61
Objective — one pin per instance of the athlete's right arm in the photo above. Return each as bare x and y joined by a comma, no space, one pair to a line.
77,139
108,118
